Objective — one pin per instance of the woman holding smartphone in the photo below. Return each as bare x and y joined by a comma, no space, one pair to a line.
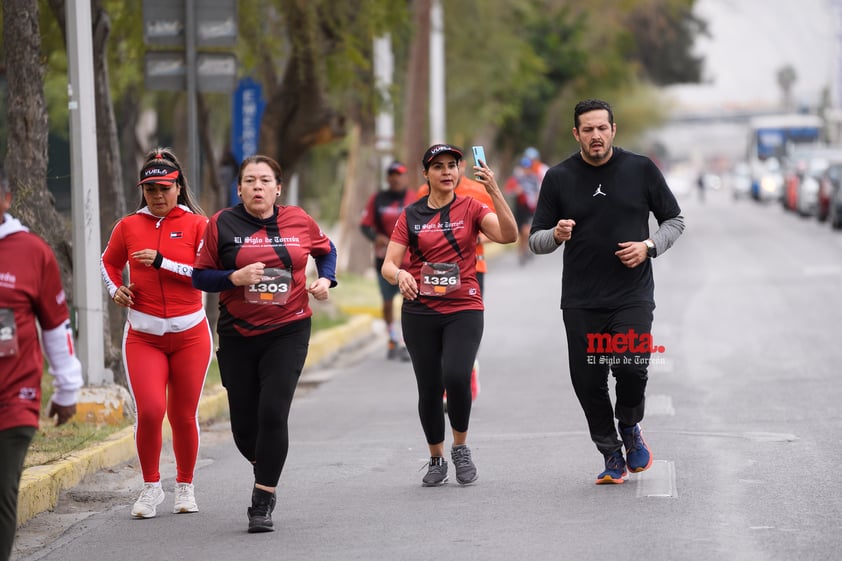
442,313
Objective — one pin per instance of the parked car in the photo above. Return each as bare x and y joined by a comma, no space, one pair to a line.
800,164
807,196
828,186
768,181
739,180
834,210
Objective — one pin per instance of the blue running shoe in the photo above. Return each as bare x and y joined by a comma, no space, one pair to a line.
615,469
638,456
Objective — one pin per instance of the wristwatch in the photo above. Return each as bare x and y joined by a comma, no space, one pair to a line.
650,248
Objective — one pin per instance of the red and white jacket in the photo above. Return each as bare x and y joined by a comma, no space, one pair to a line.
164,298
31,293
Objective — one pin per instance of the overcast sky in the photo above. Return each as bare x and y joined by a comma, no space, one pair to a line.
751,40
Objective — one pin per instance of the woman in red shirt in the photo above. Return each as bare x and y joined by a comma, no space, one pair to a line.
442,313
167,340
255,255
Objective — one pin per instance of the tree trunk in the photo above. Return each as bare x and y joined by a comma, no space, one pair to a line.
415,130
214,197
26,156
131,150
297,114
360,182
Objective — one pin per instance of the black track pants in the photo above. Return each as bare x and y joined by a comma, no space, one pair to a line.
600,341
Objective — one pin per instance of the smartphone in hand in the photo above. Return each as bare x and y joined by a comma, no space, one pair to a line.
479,156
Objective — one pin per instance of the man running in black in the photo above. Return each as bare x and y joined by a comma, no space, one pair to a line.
378,221
597,203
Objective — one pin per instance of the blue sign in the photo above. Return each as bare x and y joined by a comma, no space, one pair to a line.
247,110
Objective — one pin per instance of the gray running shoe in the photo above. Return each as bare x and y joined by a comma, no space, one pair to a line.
466,471
436,473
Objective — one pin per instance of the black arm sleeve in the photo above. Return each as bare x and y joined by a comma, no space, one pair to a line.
212,280
368,232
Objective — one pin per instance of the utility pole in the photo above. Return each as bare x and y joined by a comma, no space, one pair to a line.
194,174
438,107
87,285
384,124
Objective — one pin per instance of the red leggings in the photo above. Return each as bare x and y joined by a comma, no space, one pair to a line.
166,374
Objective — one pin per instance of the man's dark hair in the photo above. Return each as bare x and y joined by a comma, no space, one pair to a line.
587,105
4,182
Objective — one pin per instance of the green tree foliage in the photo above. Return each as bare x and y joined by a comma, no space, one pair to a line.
514,68
662,33
521,65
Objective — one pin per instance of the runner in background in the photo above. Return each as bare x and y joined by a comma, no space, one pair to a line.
525,184
377,223
468,187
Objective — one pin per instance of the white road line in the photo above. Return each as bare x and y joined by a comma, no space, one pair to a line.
657,481
658,404
822,271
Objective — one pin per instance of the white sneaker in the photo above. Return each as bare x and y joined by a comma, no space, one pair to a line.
184,499
151,496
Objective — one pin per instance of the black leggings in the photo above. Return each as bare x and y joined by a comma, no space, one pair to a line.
589,369
14,442
443,348
260,374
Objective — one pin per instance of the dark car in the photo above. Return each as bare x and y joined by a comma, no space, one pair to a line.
828,186
804,168
834,203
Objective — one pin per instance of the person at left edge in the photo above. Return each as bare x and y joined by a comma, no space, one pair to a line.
167,339
378,222
255,254
31,295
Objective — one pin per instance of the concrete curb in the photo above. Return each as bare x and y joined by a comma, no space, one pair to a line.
40,485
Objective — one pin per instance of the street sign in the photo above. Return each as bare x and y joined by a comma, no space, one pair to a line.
216,23
164,23
215,72
246,112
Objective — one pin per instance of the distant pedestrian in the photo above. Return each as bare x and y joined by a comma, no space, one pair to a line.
700,184
442,313
167,339
525,184
31,298
378,222
597,203
255,254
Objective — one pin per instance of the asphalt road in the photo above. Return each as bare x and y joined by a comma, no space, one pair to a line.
743,419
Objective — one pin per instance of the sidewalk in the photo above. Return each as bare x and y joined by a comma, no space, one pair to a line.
40,485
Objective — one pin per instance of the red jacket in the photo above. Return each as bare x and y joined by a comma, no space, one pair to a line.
164,292
30,293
